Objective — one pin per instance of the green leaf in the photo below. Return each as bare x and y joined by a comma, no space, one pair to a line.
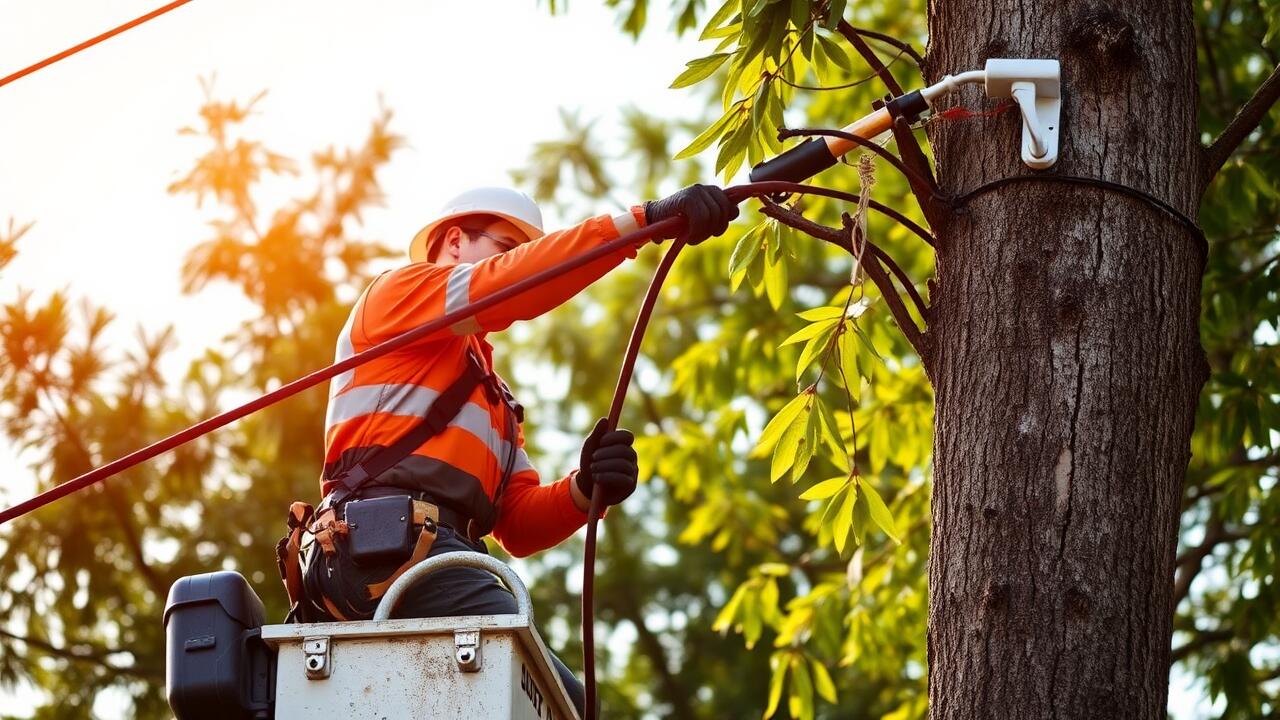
831,434
825,312
835,13
835,53
744,252
760,104
784,455
779,424
775,281
847,346
879,511
724,620
724,13
706,137
773,569
809,331
733,148
800,700
822,681
844,519
825,489
778,662
700,69
816,346
808,443
800,13
861,518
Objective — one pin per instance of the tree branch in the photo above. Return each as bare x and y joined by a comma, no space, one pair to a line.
871,261
1245,121
96,656
902,45
1201,639
1191,561
855,39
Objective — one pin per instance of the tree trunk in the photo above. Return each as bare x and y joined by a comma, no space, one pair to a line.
1066,365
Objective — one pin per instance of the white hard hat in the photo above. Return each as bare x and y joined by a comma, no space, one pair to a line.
510,205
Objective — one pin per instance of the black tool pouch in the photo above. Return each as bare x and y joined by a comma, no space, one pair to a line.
380,530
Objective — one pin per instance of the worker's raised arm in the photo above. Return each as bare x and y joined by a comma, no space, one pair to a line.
407,297
471,282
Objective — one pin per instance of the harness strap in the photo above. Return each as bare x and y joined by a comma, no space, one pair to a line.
445,408
288,551
426,539
327,527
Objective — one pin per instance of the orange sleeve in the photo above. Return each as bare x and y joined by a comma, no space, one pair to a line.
533,516
407,297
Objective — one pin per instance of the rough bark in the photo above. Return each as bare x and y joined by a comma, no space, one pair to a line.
1066,367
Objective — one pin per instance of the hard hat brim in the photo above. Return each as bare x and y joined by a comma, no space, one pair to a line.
418,250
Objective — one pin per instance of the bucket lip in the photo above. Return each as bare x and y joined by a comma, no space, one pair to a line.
228,588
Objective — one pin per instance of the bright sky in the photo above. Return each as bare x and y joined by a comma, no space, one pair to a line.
88,145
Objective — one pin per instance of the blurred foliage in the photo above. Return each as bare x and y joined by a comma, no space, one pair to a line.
85,579
774,562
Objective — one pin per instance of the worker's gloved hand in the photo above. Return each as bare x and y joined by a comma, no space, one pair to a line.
608,464
706,208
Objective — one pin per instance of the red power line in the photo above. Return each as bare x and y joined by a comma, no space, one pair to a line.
91,42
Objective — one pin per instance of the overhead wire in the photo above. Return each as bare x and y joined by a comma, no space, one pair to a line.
91,42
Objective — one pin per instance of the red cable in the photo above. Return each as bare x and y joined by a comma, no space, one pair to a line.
91,42
959,112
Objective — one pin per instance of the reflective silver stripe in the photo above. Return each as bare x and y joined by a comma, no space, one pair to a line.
344,350
457,294
415,401
625,223
398,399
522,462
458,291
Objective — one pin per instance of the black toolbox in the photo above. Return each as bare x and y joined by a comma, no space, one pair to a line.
216,664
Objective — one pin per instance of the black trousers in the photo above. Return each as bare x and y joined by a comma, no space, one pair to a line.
448,593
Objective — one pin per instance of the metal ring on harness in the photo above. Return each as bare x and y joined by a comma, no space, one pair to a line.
480,561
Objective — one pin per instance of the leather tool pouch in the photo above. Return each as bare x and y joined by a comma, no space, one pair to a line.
380,530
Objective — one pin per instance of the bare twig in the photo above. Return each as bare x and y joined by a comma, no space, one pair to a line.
1245,121
844,86
91,654
902,45
850,197
855,39
1201,639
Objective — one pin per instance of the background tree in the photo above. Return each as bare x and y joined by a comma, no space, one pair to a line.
85,580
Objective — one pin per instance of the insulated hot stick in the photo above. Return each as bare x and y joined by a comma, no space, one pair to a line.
1033,84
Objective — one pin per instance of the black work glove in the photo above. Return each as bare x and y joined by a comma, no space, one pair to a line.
608,464
706,209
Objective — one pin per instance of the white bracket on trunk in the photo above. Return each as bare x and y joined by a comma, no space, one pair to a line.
1036,86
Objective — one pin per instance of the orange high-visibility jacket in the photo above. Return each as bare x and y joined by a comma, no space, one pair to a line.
373,405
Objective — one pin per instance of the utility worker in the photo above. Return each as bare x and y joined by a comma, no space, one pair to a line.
431,431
